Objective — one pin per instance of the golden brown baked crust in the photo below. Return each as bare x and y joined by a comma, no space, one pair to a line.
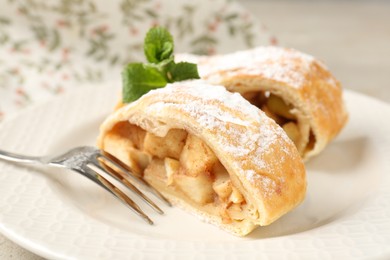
262,162
299,79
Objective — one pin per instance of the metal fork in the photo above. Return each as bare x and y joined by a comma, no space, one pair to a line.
89,161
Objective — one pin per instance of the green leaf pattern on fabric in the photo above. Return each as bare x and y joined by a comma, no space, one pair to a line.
48,47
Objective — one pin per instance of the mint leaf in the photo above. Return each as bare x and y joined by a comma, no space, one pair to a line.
182,71
138,79
158,45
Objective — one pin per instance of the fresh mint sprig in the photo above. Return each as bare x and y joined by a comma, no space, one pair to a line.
140,78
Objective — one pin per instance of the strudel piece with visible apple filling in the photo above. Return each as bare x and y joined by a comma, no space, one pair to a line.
209,151
293,88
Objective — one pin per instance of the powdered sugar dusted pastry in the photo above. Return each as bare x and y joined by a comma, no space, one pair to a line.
210,152
293,88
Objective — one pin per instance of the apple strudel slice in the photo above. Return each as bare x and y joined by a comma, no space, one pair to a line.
293,88
209,151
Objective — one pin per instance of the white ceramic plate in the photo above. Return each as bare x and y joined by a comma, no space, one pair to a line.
58,214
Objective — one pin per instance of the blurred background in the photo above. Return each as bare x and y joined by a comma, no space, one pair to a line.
352,37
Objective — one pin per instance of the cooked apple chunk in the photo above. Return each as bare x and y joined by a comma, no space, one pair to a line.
170,145
199,188
279,107
223,213
197,158
236,212
222,184
236,196
118,145
278,119
223,188
292,131
124,150
139,160
172,167
155,172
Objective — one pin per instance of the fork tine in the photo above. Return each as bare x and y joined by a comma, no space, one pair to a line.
123,167
126,172
105,168
123,197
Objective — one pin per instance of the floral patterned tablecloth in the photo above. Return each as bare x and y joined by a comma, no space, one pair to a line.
48,47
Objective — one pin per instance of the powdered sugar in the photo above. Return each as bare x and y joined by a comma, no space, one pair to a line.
204,92
279,64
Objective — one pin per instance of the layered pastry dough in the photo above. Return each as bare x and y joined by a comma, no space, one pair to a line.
293,88
210,152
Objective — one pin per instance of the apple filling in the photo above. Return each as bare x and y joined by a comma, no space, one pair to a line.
285,115
180,164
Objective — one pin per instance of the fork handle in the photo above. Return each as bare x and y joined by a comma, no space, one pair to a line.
18,158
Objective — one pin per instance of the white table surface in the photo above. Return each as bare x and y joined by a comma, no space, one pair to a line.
351,37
